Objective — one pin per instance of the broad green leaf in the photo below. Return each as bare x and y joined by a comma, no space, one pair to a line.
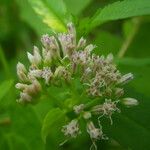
5,87
139,47
120,10
54,118
107,43
77,6
48,15
26,124
28,15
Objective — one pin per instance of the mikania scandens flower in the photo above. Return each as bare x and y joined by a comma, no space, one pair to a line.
63,60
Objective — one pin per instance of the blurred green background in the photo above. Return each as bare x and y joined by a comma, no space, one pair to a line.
21,28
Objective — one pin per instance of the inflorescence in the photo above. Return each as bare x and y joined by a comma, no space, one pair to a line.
63,58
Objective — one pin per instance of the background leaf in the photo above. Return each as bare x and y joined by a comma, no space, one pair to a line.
49,17
54,118
5,87
120,10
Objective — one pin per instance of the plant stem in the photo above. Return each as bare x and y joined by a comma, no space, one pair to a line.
130,38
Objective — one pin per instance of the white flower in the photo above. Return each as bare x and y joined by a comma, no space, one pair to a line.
95,133
106,109
47,74
130,102
71,129
35,73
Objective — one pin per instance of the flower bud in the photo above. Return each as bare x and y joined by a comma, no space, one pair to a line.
110,58
24,97
36,58
126,78
119,92
21,72
87,115
81,43
130,102
21,86
78,109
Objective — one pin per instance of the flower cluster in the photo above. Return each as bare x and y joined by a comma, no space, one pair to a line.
63,59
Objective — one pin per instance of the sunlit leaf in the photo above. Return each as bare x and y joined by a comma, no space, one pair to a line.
48,15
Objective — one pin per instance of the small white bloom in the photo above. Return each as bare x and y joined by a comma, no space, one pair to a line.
47,74
106,109
71,129
95,133
35,73
130,102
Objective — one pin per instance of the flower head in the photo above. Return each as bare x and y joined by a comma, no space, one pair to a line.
65,60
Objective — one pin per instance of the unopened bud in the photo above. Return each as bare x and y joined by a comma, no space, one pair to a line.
81,43
21,86
78,109
110,58
34,59
130,102
126,78
119,92
87,115
21,72
24,97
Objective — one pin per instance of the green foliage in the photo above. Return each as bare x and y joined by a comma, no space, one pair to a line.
120,10
5,87
48,14
55,117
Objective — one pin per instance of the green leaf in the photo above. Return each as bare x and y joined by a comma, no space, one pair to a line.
5,87
48,14
54,118
77,6
120,10
28,15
